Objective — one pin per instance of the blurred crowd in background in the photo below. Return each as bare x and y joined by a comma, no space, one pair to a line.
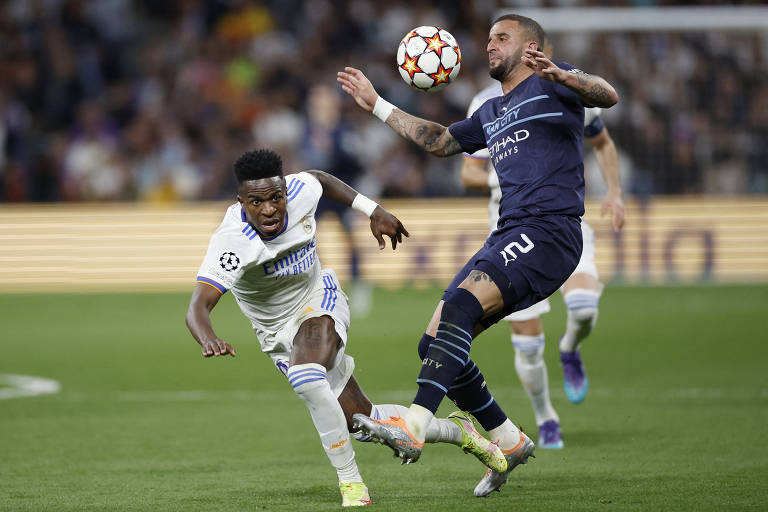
105,100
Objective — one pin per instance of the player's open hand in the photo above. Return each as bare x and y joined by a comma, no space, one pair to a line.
541,64
614,203
355,83
217,347
384,223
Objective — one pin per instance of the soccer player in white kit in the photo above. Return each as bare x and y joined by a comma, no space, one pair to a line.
581,291
264,251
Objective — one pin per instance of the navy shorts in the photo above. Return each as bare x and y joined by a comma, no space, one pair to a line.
528,259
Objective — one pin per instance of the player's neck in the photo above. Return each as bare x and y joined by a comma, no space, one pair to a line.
517,75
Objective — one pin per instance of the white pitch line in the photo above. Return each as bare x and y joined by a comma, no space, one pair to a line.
18,386
405,396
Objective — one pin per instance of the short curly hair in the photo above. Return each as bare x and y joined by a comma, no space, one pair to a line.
257,165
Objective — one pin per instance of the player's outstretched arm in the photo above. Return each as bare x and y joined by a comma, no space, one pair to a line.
204,299
429,135
382,222
593,90
608,161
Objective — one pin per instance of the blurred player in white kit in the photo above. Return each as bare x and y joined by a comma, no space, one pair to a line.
581,291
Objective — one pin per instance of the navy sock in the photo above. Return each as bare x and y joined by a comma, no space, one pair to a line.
470,393
448,354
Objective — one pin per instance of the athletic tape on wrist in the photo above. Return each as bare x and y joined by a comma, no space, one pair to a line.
382,109
364,204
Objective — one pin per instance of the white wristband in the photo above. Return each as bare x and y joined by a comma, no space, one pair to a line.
364,205
382,108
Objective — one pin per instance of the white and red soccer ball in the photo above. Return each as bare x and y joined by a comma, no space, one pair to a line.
428,58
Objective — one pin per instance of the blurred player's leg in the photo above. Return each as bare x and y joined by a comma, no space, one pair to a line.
528,341
582,307
532,371
581,293
582,316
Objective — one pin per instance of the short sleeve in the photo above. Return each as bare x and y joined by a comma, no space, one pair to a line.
304,186
224,260
479,99
469,134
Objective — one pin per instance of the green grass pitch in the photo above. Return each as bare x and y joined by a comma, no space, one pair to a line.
676,417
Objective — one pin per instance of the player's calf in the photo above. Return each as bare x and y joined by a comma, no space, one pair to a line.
310,383
582,307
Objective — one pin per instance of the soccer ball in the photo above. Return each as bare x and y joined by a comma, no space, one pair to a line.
428,58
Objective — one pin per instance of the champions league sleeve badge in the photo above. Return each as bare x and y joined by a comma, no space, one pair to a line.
229,261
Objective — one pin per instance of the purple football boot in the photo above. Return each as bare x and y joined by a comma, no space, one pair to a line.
550,437
575,379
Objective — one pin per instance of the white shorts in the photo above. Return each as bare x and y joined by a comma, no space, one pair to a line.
587,262
327,299
586,265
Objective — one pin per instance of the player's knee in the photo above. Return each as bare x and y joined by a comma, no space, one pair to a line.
582,307
307,379
529,349
463,306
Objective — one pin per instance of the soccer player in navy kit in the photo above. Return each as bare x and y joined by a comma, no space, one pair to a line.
533,133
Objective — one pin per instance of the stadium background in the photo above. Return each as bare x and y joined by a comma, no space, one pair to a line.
119,122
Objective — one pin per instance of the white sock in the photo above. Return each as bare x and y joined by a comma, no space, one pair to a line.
532,371
309,381
507,434
442,430
417,420
439,430
385,411
582,316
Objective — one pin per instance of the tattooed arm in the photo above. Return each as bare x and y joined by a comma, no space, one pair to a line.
431,136
593,90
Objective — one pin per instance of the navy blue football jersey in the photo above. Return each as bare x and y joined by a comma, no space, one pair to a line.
534,136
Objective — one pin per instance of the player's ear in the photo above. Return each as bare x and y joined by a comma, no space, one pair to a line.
240,199
533,45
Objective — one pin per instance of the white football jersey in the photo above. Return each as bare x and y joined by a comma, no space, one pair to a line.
591,115
270,277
